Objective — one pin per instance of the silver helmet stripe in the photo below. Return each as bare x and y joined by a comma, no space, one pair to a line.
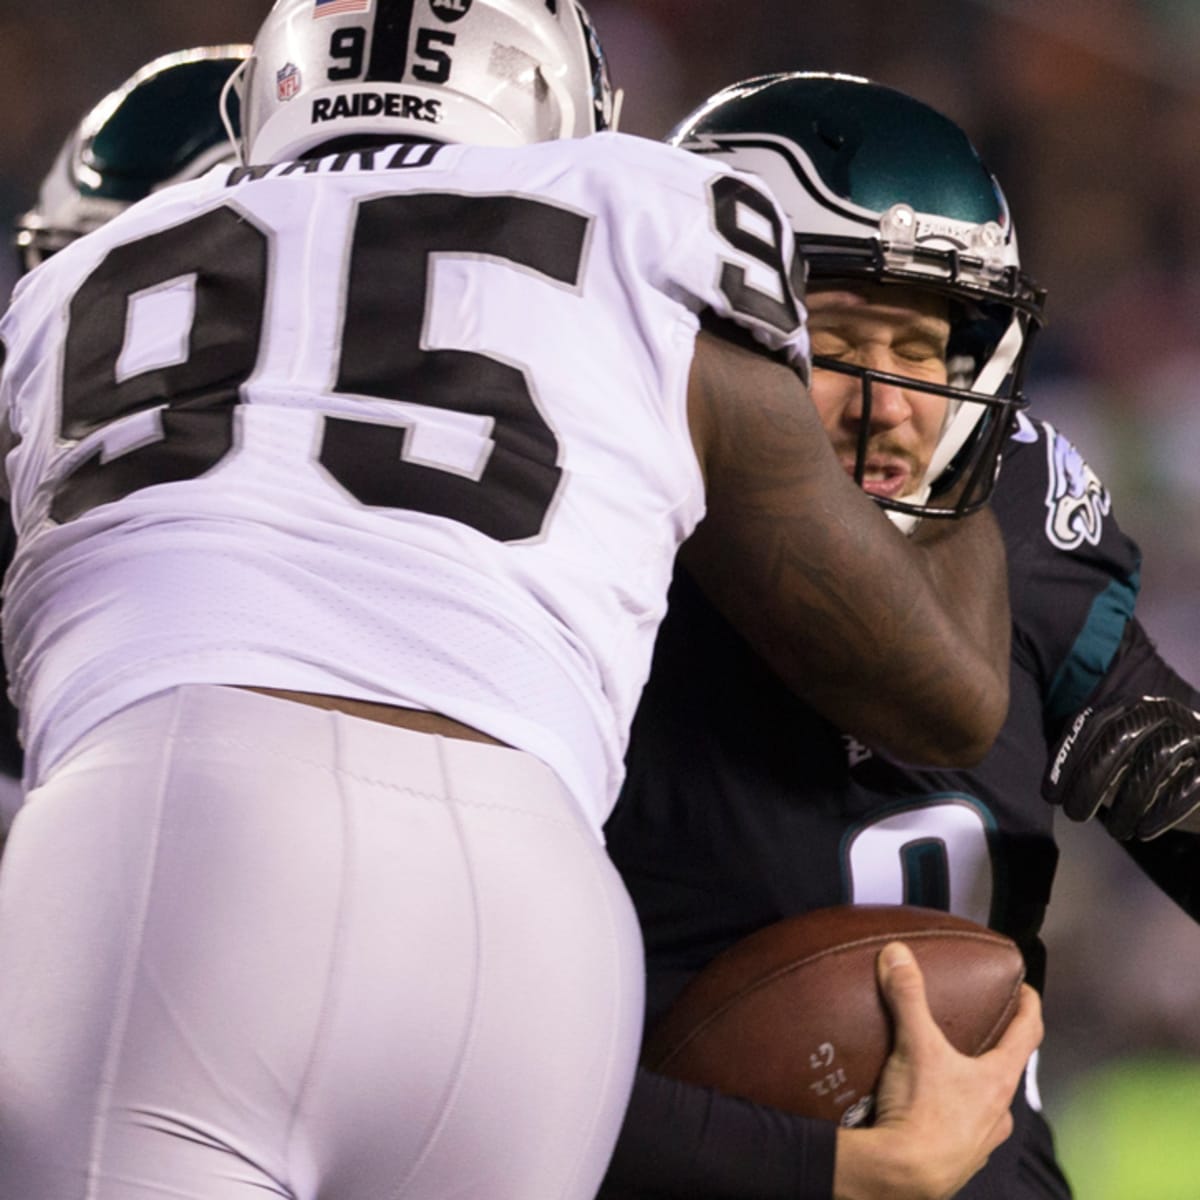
389,40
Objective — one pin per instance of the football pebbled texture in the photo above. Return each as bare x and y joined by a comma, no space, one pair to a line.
792,1015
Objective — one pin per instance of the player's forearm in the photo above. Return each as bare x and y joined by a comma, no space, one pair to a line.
942,693
867,1169
688,1143
872,644
861,622
966,565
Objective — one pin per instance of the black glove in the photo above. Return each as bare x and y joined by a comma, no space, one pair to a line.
1139,761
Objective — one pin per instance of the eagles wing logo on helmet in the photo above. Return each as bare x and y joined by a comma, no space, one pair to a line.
881,188
492,72
160,127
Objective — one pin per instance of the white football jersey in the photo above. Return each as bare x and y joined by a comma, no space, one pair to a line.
406,425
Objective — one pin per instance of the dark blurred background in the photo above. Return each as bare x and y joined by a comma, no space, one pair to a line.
1089,112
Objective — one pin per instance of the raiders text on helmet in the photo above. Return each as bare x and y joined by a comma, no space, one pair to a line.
161,126
880,187
492,72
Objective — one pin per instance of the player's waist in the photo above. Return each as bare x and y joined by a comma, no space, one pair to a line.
418,720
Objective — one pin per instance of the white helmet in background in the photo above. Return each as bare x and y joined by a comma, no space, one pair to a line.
489,72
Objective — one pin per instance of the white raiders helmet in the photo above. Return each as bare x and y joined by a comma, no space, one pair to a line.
490,72
880,187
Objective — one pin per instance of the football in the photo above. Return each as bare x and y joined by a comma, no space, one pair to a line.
792,1016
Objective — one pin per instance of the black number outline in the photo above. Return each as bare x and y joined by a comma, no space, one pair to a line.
727,193
427,48
356,52
513,495
196,422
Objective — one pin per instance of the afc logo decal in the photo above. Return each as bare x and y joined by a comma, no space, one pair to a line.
1076,501
450,10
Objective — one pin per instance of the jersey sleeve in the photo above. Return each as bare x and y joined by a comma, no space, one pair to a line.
1074,575
1074,578
718,241
690,1143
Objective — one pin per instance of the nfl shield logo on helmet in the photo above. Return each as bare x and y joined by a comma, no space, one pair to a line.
287,81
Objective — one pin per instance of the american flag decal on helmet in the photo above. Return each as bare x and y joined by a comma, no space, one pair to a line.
337,8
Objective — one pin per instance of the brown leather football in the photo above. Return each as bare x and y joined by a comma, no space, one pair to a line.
792,1016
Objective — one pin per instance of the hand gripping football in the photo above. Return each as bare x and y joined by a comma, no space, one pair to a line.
792,1015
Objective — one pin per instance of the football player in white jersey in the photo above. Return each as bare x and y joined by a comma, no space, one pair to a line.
346,492
161,126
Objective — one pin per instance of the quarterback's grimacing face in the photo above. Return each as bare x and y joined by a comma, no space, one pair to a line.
897,330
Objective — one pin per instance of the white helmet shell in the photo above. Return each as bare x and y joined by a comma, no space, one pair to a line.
490,72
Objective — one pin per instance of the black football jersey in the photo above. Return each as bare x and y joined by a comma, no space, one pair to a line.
742,806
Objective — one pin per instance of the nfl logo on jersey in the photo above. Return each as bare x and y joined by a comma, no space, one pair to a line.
287,81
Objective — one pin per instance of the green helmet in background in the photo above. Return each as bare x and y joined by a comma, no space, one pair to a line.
881,188
162,126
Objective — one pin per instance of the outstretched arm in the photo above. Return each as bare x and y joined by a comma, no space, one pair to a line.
903,642
684,1142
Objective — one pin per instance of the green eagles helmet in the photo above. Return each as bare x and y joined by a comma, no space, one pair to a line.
880,187
161,126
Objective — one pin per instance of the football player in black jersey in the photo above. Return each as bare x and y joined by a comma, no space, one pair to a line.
741,806
120,157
